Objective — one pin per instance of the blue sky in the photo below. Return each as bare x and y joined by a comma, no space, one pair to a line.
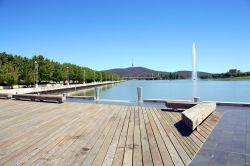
104,34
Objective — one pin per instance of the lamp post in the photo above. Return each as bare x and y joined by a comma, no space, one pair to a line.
94,76
83,76
67,75
36,75
101,77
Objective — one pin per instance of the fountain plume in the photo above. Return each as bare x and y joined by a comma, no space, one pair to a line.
194,73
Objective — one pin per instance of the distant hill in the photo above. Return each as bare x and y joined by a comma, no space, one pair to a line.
188,74
135,72
142,72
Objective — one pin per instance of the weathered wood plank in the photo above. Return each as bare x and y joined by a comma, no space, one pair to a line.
120,150
5,95
155,152
146,153
168,120
95,149
128,155
58,141
113,146
195,115
19,149
34,97
92,134
80,149
192,139
107,142
137,154
176,151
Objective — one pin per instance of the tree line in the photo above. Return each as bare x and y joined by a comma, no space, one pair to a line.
18,70
226,75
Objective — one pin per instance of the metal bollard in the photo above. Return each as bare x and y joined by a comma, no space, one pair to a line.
196,99
65,95
139,94
97,93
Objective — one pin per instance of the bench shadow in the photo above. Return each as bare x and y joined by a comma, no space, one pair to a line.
180,125
172,110
183,129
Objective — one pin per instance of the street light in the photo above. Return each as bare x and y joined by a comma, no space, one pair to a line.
67,75
36,75
83,76
94,76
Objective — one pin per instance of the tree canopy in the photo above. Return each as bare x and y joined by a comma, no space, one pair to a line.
20,70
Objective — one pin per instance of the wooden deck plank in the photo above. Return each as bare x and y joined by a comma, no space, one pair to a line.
137,154
58,141
120,150
39,132
146,154
82,146
196,133
108,129
128,155
176,151
94,134
189,139
113,146
155,152
107,143
192,139
28,125
42,138
168,120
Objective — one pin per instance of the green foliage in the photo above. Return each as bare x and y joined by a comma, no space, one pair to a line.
20,70
228,75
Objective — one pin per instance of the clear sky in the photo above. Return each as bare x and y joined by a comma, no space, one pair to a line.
104,34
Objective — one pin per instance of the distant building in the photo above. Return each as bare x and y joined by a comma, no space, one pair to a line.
234,71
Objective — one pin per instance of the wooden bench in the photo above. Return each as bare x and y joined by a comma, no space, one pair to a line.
195,115
5,95
179,104
34,97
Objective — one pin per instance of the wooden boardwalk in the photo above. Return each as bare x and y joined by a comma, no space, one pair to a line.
33,133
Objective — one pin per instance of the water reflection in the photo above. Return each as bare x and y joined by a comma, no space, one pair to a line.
213,90
90,91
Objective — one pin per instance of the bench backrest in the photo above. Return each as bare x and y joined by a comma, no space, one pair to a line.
195,115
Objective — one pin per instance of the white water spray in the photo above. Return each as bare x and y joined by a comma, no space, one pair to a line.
194,73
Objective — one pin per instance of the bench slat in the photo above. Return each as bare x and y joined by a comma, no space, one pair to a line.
5,95
34,97
195,115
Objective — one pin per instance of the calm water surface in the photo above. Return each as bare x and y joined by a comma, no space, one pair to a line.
237,91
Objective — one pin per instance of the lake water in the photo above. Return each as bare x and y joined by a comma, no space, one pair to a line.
208,90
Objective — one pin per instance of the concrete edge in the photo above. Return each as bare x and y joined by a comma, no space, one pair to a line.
164,100
81,97
220,103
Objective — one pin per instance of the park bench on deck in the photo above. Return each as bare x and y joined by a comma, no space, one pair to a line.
179,104
195,113
34,97
5,95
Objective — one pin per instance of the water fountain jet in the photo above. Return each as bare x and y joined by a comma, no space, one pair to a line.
194,74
